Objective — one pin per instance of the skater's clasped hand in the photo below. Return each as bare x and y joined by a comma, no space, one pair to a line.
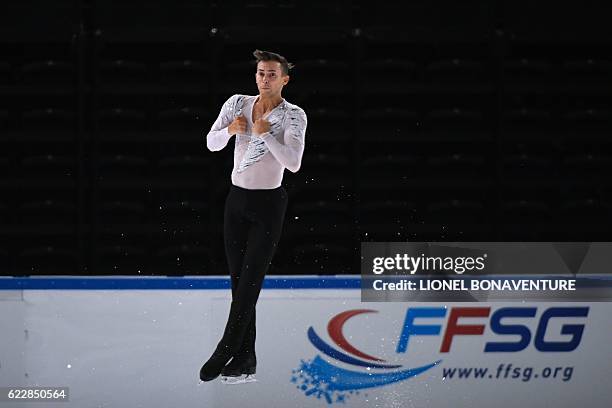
239,125
261,126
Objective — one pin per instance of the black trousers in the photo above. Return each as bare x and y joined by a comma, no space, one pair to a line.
253,222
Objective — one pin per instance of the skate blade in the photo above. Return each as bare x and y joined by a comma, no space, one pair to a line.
243,379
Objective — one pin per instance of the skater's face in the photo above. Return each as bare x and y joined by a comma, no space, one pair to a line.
269,78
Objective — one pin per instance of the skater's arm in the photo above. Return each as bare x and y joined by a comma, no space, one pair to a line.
290,153
219,133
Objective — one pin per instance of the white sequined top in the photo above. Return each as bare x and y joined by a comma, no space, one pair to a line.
260,160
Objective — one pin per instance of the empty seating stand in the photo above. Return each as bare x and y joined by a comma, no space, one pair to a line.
426,121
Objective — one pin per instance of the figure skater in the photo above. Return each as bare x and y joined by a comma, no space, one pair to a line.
270,134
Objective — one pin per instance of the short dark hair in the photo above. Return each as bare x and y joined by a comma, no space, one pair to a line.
272,56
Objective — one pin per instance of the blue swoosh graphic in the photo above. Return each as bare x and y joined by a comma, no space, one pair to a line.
340,379
317,378
333,353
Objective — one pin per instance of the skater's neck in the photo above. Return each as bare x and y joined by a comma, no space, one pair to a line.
266,103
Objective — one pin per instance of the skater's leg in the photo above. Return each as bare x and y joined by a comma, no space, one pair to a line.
257,260
248,344
267,215
235,231
235,234
242,307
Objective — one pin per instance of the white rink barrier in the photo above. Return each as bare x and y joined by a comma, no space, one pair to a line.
140,342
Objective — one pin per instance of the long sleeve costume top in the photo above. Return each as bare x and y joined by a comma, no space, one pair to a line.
260,160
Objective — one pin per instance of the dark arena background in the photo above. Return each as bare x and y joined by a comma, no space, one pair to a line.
428,120
475,131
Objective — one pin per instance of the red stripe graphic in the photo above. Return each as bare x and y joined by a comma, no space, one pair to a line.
334,328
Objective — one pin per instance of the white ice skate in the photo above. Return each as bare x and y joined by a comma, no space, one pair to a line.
239,379
240,371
